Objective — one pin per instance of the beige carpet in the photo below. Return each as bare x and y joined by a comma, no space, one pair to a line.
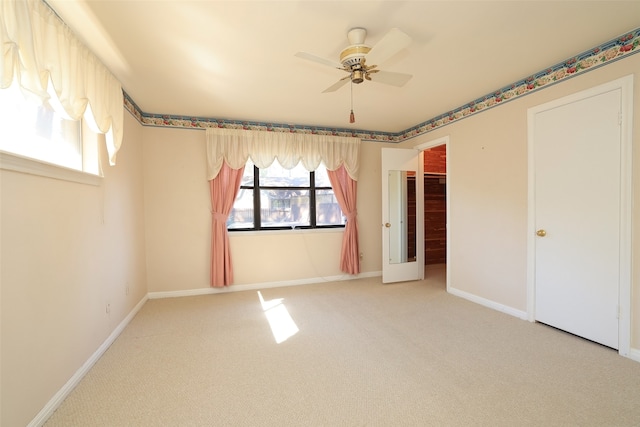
365,354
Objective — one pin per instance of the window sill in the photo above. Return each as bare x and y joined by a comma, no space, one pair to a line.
15,163
287,231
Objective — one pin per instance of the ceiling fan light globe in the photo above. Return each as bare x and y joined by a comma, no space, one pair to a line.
358,76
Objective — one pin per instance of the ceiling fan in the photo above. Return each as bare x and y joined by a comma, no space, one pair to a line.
355,59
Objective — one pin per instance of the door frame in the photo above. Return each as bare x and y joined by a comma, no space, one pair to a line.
424,145
625,85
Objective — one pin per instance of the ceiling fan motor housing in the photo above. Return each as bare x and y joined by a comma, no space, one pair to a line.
352,57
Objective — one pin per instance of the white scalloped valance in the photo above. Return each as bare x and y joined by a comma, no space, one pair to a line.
235,146
38,48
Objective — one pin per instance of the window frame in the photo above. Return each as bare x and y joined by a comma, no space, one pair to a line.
312,188
16,163
87,170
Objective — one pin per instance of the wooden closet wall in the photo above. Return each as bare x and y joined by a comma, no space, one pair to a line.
435,205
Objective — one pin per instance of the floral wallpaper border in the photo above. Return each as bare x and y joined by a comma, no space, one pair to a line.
618,48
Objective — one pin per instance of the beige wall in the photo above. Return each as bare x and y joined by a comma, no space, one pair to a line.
68,249
488,187
178,223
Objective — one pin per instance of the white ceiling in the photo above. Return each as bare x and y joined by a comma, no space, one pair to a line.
234,60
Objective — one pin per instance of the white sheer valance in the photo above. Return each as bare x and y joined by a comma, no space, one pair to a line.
39,49
235,146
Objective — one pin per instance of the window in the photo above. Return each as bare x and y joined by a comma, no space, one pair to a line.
277,199
37,131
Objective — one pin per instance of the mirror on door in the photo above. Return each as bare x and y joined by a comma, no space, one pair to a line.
402,216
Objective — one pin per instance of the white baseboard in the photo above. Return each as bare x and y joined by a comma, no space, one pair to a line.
259,286
488,303
62,394
634,354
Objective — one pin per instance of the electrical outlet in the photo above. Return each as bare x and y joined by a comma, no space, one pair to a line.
361,256
108,309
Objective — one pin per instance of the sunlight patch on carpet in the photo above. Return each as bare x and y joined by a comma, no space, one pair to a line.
282,325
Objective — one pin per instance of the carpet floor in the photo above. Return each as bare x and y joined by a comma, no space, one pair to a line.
349,353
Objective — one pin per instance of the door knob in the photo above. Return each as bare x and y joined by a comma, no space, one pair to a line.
387,225
541,233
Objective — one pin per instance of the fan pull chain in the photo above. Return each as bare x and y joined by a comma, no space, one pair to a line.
352,117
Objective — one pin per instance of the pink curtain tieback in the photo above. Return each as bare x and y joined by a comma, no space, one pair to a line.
352,215
217,216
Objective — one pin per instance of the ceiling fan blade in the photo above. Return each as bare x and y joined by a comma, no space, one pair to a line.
315,58
337,85
391,78
392,42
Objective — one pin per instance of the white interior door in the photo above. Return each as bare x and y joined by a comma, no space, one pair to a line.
402,222
577,196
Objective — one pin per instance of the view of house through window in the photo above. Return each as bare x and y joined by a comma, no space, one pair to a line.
33,129
277,198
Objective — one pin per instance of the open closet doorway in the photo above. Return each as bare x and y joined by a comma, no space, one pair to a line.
436,205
